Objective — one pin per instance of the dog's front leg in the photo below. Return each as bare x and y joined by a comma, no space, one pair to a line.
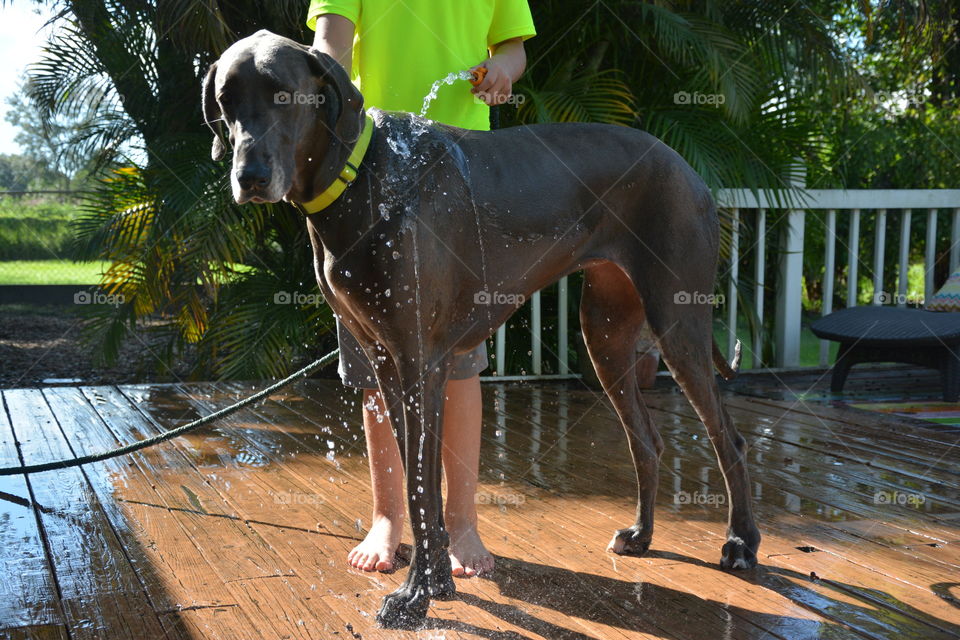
422,397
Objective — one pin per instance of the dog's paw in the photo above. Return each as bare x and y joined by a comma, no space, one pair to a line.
737,554
632,541
405,608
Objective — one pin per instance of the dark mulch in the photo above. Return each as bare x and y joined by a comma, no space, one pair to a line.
42,346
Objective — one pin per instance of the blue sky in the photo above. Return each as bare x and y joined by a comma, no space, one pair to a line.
20,40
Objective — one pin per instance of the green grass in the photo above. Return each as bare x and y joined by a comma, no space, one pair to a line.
50,272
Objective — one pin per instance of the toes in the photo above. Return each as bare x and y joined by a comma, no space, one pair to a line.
455,567
384,564
488,564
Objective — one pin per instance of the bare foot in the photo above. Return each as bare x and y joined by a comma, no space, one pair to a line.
468,556
376,552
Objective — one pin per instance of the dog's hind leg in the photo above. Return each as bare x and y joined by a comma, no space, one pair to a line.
612,315
684,332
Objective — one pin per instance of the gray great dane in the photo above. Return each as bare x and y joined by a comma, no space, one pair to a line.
439,219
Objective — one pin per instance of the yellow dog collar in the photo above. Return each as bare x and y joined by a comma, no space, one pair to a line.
347,175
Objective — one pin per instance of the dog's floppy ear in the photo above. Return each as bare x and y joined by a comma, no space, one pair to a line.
212,114
349,113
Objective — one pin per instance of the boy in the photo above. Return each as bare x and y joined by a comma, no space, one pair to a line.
395,50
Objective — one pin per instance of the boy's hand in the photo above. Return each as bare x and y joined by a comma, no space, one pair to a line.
496,86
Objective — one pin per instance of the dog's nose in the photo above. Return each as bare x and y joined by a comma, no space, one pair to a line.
253,175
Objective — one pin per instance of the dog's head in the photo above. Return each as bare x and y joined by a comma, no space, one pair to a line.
287,109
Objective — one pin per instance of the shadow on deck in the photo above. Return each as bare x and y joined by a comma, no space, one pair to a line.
241,530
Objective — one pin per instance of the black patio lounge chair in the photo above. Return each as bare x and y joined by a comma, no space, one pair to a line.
893,334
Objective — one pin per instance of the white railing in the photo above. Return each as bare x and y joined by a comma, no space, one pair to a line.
854,203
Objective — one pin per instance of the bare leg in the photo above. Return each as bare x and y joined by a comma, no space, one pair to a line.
462,417
376,552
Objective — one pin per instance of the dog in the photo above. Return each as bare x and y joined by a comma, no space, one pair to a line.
437,219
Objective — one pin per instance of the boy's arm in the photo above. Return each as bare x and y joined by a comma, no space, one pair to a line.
504,67
334,37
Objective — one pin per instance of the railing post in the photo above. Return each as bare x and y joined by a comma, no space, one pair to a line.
930,254
759,271
879,249
536,341
732,289
501,349
955,241
853,258
829,270
789,289
562,294
904,258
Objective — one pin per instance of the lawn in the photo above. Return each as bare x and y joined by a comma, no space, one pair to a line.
50,272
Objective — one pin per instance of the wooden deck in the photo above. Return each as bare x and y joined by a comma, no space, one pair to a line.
241,531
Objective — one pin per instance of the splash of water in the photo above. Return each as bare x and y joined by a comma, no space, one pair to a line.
450,78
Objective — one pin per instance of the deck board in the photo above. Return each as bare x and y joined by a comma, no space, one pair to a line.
28,593
241,529
99,590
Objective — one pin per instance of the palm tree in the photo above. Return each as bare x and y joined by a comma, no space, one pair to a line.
181,252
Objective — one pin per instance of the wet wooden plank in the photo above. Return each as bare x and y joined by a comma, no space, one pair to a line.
28,594
243,568
35,632
213,622
862,440
100,593
175,575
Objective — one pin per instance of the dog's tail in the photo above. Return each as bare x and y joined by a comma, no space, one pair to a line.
727,371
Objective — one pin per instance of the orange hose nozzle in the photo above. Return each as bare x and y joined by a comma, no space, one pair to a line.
478,75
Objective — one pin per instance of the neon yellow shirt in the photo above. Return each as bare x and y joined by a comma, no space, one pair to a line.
402,48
